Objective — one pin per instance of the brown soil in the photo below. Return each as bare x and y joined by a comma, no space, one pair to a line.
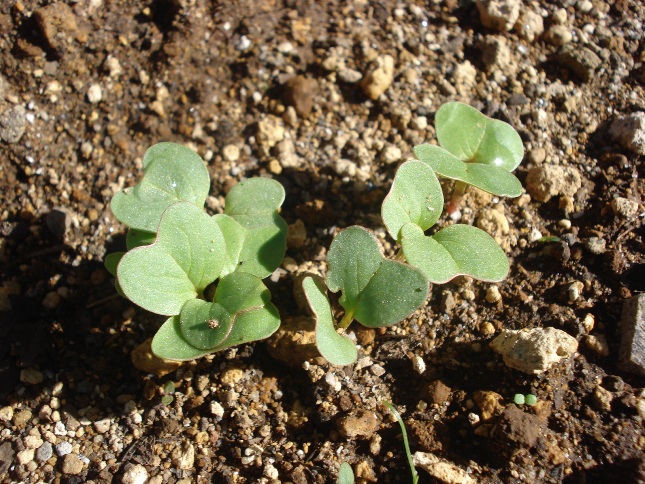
87,87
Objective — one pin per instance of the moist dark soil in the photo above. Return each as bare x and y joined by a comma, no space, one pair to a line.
282,89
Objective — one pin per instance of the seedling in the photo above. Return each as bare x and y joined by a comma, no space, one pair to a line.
379,292
528,399
345,474
168,392
474,150
178,255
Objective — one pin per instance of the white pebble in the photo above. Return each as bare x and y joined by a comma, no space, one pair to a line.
94,94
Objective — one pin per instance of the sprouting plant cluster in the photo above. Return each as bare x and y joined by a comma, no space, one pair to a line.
205,272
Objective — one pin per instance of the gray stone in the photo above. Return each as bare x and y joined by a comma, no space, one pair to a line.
13,122
63,448
632,327
629,131
579,60
44,452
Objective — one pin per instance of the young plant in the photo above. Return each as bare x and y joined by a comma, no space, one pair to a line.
204,272
475,150
379,292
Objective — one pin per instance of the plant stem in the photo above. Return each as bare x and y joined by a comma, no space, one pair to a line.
457,195
406,444
400,256
346,321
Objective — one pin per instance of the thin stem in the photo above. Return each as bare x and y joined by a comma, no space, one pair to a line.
346,321
457,195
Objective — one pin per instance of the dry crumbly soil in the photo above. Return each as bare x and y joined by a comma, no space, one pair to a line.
87,86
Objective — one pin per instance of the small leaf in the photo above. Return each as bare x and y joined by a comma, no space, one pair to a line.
169,344
345,474
137,238
490,178
241,291
375,291
453,251
335,348
172,173
254,204
473,137
234,235
187,256
167,399
253,325
415,197
204,325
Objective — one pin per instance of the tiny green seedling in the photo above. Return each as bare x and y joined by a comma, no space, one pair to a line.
177,253
379,292
474,150
528,399
168,392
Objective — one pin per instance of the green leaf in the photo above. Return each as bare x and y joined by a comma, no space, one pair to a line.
490,178
254,204
253,325
234,235
415,197
172,173
136,238
375,291
187,256
473,137
111,263
335,348
345,474
204,325
169,343
453,251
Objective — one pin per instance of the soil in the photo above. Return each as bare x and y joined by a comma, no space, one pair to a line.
87,87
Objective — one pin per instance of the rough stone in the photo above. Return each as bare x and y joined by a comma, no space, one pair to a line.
270,131
71,465
63,448
134,474
391,154
488,402
13,122
44,452
496,54
534,350
624,207
300,93
582,61
530,25
546,181
558,35
464,76
441,469
59,220
183,456
297,234
499,15
359,424
25,456
377,81
294,342
57,24
632,341
145,360
494,223
516,430
629,131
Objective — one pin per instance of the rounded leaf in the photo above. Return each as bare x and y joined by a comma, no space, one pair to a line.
168,343
415,196
172,173
253,325
428,255
376,291
253,197
204,325
335,348
473,137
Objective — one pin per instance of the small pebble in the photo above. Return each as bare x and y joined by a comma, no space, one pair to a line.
63,448
493,295
94,94
44,452
71,465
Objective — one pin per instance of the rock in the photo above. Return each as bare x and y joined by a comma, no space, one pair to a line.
492,294
183,456
13,122
595,245
488,402
102,426
31,376
270,131
496,54
516,430
629,131
365,472
558,35
529,25
419,123
546,181
57,24
63,448
494,223
297,234
598,344
350,76
94,94
6,455
601,399
300,93
441,469
624,207
294,342
464,76
44,452
231,153
134,474
359,424
21,417
391,154
437,392
377,81
534,350
287,153
145,360
499,15
25,456
582,61
71,465
632,340
6,414
58,221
